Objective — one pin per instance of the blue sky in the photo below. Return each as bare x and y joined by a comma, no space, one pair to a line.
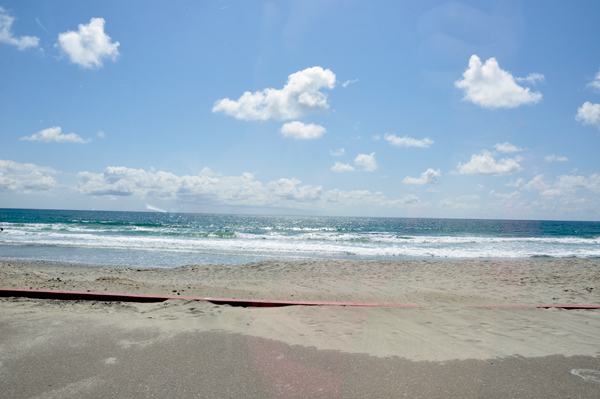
417,109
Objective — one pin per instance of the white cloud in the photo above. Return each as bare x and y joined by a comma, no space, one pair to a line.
462,202
25,177
6,35
589,114
212,188
300,96
342,167
300,131
204,187
408,141
89,45
564,185
514,194
365,197
532,78
368,162
101,134
54,135
520,182
485,164
337,153
507,147
537,183
567,184
346,83
595,84
491,87
430,176
555,158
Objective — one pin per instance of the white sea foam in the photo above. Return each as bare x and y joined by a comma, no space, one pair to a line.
304,244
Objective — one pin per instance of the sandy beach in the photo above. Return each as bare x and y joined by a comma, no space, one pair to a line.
181,348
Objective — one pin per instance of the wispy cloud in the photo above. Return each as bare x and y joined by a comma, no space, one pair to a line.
40,24
7,37
532,78
555,158
595,84
507,147
408,141
337,153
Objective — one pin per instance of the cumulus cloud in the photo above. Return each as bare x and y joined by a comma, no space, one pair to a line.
595,84
555,158
89,45
204,187
337,153
368,162
491,87
430,176
408,141
589,114
507,147
485,164
6,35
300,96
25,178
300,131
209,187
364,162
101,134
342,167
564,185
54,135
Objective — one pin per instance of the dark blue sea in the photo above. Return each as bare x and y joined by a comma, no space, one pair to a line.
152,239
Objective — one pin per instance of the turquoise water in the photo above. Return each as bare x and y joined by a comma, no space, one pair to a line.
168,240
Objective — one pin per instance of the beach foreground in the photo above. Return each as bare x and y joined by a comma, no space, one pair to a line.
182,348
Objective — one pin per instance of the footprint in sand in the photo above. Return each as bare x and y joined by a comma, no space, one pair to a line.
587,374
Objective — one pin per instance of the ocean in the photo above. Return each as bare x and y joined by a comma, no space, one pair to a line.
152,239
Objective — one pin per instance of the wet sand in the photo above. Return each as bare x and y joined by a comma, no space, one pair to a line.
179,348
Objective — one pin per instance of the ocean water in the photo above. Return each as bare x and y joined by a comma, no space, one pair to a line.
149,239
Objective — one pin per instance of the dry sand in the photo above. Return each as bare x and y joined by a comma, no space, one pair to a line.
441,349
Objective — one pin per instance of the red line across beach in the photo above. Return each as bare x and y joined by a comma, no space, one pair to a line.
109,296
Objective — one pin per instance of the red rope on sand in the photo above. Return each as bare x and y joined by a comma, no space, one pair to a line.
105,296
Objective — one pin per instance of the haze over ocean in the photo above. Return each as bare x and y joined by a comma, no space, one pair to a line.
169,240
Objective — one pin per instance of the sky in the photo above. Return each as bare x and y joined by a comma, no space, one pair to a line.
480,109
